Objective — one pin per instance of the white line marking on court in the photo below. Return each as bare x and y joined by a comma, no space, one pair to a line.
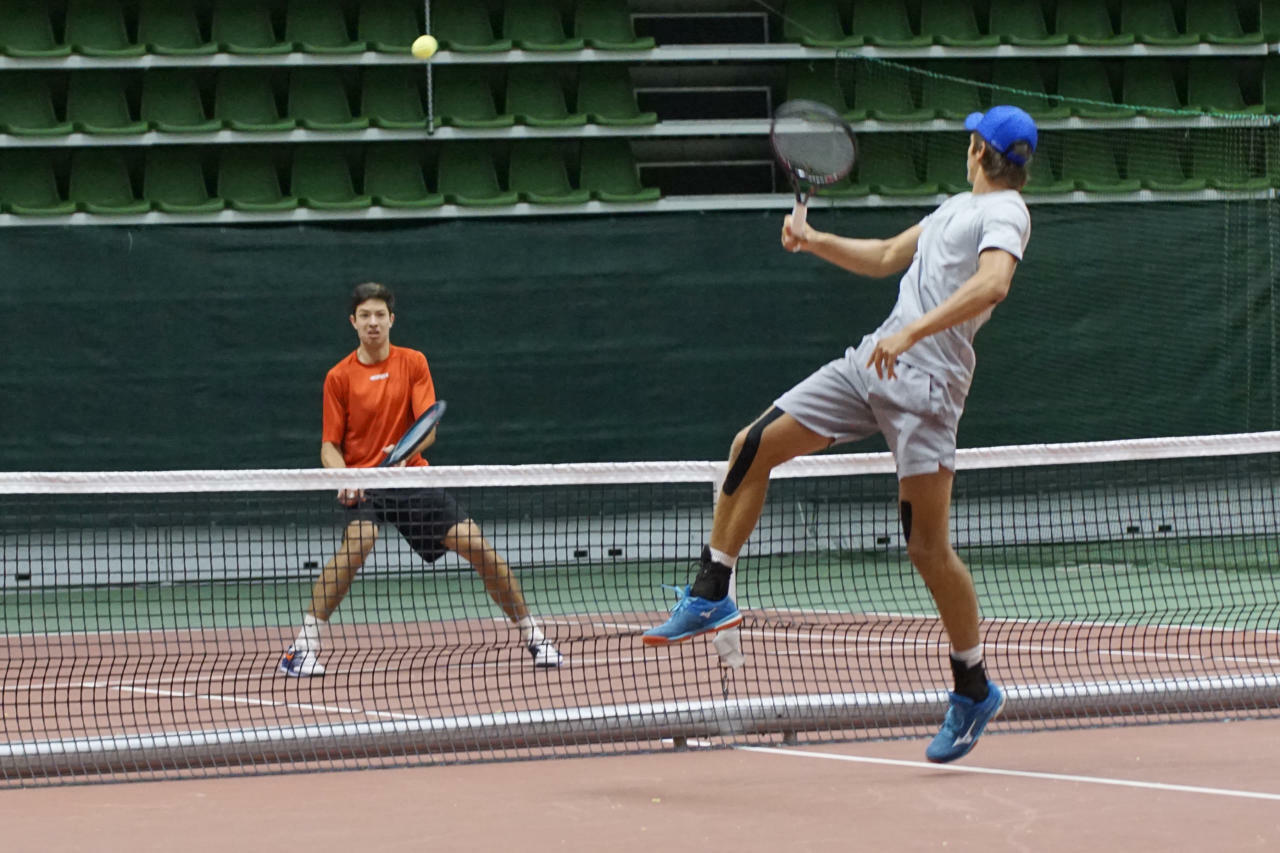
1022,774
247,700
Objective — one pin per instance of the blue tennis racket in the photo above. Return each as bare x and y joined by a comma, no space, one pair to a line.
414,437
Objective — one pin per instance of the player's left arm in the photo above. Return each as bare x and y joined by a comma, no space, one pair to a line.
423,397
985,288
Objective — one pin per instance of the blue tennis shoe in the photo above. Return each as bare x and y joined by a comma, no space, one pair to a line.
964,724
693,616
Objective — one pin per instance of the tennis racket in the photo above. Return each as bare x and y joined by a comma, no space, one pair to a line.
816,148
415,435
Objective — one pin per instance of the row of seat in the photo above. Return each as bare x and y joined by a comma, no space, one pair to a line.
182,180
327,99
31,28
1087,88
957,23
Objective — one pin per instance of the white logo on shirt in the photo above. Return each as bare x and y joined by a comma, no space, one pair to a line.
375,377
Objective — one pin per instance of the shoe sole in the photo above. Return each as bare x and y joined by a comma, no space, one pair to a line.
969,746
732,622
284,669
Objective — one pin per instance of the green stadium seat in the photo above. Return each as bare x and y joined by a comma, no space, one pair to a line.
28,30
607,25
393,177
951,98
1270,18
536,25
464,98
539,174
1148,85
318,101
245,100
952,23
816,23
26,106
883,94
321,180
29,186
172,102
173,181
389,26
1088,84
1022,24
319,26
1158,165
846,187
1152,22
1271,84
171,29
97,28
1021,83
608,171
249,181
245,27
1219,157
1088,22
536,97
1213,86
1044,179
1218,22
815,81
101,183
945,161
391,98
888,165
1089,162
885,23
465,26
98,102
606,96
467,177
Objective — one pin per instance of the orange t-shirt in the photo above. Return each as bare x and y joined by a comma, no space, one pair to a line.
369,406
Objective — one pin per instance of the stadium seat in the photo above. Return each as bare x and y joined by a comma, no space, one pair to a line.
815,81
100,183
606,96
607,25
883,94
539,174
1213,85
1020,23
1158,165
1152,22
173,181
389,26
1271,84
816,23
536,25
245,100
28,30
245,27
98,102
1044,179
888,165
393,177
1148,85
27,108
172,103
536,97
97,28
464,98
951,98
1088,22
885,23
1218,22
467,177
1021,83
1088,84
952,23
608,171
319,26
249,181
1089,162
464,26
1225,162
28,185
944,161
171,29
1270,18
318,101
321,180
846,187
391,98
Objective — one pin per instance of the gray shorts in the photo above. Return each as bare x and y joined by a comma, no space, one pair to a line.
845,401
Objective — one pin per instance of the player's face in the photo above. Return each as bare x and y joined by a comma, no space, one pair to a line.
973,158
372,322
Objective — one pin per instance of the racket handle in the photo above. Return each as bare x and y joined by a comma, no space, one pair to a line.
798,213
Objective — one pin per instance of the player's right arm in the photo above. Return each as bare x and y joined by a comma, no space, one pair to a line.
334,426
871,258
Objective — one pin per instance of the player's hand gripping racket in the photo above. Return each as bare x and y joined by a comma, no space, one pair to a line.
415,435
816,148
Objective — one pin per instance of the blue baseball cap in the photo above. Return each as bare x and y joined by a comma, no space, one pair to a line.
1003,127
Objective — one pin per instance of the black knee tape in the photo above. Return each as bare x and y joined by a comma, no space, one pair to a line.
905,507
747,455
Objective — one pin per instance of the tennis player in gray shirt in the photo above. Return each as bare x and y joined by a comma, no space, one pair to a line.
907,380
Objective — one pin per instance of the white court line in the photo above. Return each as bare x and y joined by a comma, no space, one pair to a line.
1022,774
247,700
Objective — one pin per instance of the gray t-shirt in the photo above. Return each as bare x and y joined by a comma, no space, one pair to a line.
946,257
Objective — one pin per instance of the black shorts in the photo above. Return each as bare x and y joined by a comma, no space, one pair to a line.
423,516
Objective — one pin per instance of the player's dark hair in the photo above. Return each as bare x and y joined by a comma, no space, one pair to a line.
1001,170
372,290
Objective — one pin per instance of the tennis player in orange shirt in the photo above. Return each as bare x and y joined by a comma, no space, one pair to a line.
370,398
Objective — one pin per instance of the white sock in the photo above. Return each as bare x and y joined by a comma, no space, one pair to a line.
529,631
969,657
722,558
309,636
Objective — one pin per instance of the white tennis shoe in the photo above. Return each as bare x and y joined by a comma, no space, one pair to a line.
545,655
300,663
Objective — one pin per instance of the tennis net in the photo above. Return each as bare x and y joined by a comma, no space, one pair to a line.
145,613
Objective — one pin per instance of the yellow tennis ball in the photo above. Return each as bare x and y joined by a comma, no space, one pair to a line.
424,47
